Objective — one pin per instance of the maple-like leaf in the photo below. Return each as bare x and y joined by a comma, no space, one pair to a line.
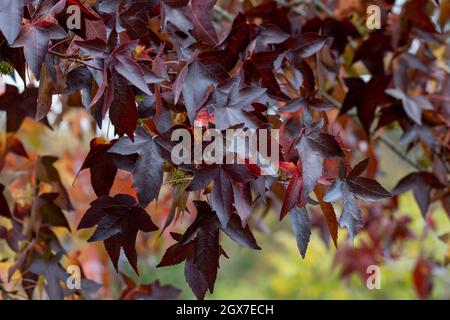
101,164
118,220
49,212
312,147
366,97
223,177
307,44
413,105
152,291
229,103
147,173
14,56
196,87
11,12
293,195
123,110
19,106
423,278
203,28
352,185
34,38
260,66
371,52
340,30
301,227
199,247
421,183
54,273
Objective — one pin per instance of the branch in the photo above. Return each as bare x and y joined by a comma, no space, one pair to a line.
223,13
73,59
399,153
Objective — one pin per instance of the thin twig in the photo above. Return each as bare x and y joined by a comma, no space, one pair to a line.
73,59
399,153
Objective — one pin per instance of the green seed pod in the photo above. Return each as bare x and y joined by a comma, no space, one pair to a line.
5,68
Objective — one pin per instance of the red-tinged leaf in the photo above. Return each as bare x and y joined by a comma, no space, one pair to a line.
118,221
292,195
203,30
366,97
367,189
34,38
49,212
228,102
301,227
358,169
4,207
147,173
260,66
328,213
421,183
416,14
413,106
19,106
177,254
123,110
196,88
339,30
11,12
101,164
423,278
241,235
222,197
128,68
272,13
325,144
309,80
14,145
14,56
307,44
152,291
371,52
96,48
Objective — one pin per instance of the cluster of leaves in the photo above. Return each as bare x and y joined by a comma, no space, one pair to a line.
154,66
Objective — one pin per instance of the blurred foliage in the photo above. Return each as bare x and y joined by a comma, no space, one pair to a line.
278,272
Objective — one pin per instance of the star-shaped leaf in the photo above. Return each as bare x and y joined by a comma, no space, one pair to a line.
199,247
11,12
118,221
18,106
147,173
34,38
230,101
366,97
